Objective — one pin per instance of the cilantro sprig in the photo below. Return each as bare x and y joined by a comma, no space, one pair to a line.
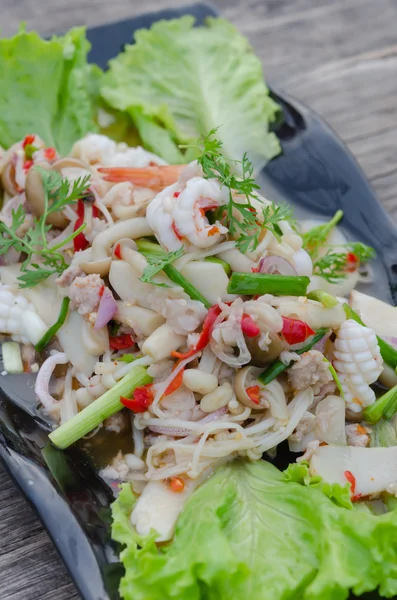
42,260
316,237
333,266
156,264
239,214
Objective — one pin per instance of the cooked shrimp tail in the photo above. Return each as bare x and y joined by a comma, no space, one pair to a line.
155,177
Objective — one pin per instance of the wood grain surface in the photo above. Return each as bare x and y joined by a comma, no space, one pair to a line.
340,57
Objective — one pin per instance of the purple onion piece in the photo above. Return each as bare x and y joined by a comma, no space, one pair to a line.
276,265
107,309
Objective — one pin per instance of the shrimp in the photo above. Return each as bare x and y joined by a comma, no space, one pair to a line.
154,177
179,215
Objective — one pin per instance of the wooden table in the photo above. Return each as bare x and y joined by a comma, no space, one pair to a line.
340,57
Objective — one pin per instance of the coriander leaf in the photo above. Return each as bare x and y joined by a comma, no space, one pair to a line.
317,236
157,264
241,216
331,266
273,214
218,77
45,89
362,252
335,265
35,275
58,193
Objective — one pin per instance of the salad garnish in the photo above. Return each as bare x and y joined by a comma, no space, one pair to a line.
42,260
185,329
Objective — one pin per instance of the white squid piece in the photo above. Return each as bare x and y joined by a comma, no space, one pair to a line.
358,362
18,318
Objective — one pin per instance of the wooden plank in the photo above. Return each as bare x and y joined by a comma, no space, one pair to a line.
340,58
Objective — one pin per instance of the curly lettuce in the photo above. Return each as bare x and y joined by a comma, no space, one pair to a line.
46,88
178,82
253,532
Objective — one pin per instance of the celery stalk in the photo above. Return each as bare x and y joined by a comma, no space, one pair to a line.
385,406
12,359
103,407
148,247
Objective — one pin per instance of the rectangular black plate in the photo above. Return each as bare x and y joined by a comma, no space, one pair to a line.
317,174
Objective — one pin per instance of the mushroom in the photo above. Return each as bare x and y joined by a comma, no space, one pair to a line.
8,180
103,242
261,358
35,192
245,378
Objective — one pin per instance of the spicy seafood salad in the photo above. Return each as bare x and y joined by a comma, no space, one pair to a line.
167,305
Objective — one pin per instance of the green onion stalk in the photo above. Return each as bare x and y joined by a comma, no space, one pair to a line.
103,407
327,300
53,330
252,284
278,367
384,407
150,249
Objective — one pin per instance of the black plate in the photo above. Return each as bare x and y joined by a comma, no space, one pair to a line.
318,175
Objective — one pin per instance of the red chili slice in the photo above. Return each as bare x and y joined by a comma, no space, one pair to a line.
117,251
295,331
121,342
175,383
27,164
205,335
80,242
29,139
50,153
253,393
141,400
249,327
352,261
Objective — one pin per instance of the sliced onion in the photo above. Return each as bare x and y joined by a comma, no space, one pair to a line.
107,309
180,432
320,346
276,265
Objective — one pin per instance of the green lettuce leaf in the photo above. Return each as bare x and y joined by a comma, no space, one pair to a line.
46,88
178,82
252,532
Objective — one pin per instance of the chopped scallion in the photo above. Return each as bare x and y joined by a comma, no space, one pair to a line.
52,331
12,359
385,407
253,284
278,367
103,407
327,300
